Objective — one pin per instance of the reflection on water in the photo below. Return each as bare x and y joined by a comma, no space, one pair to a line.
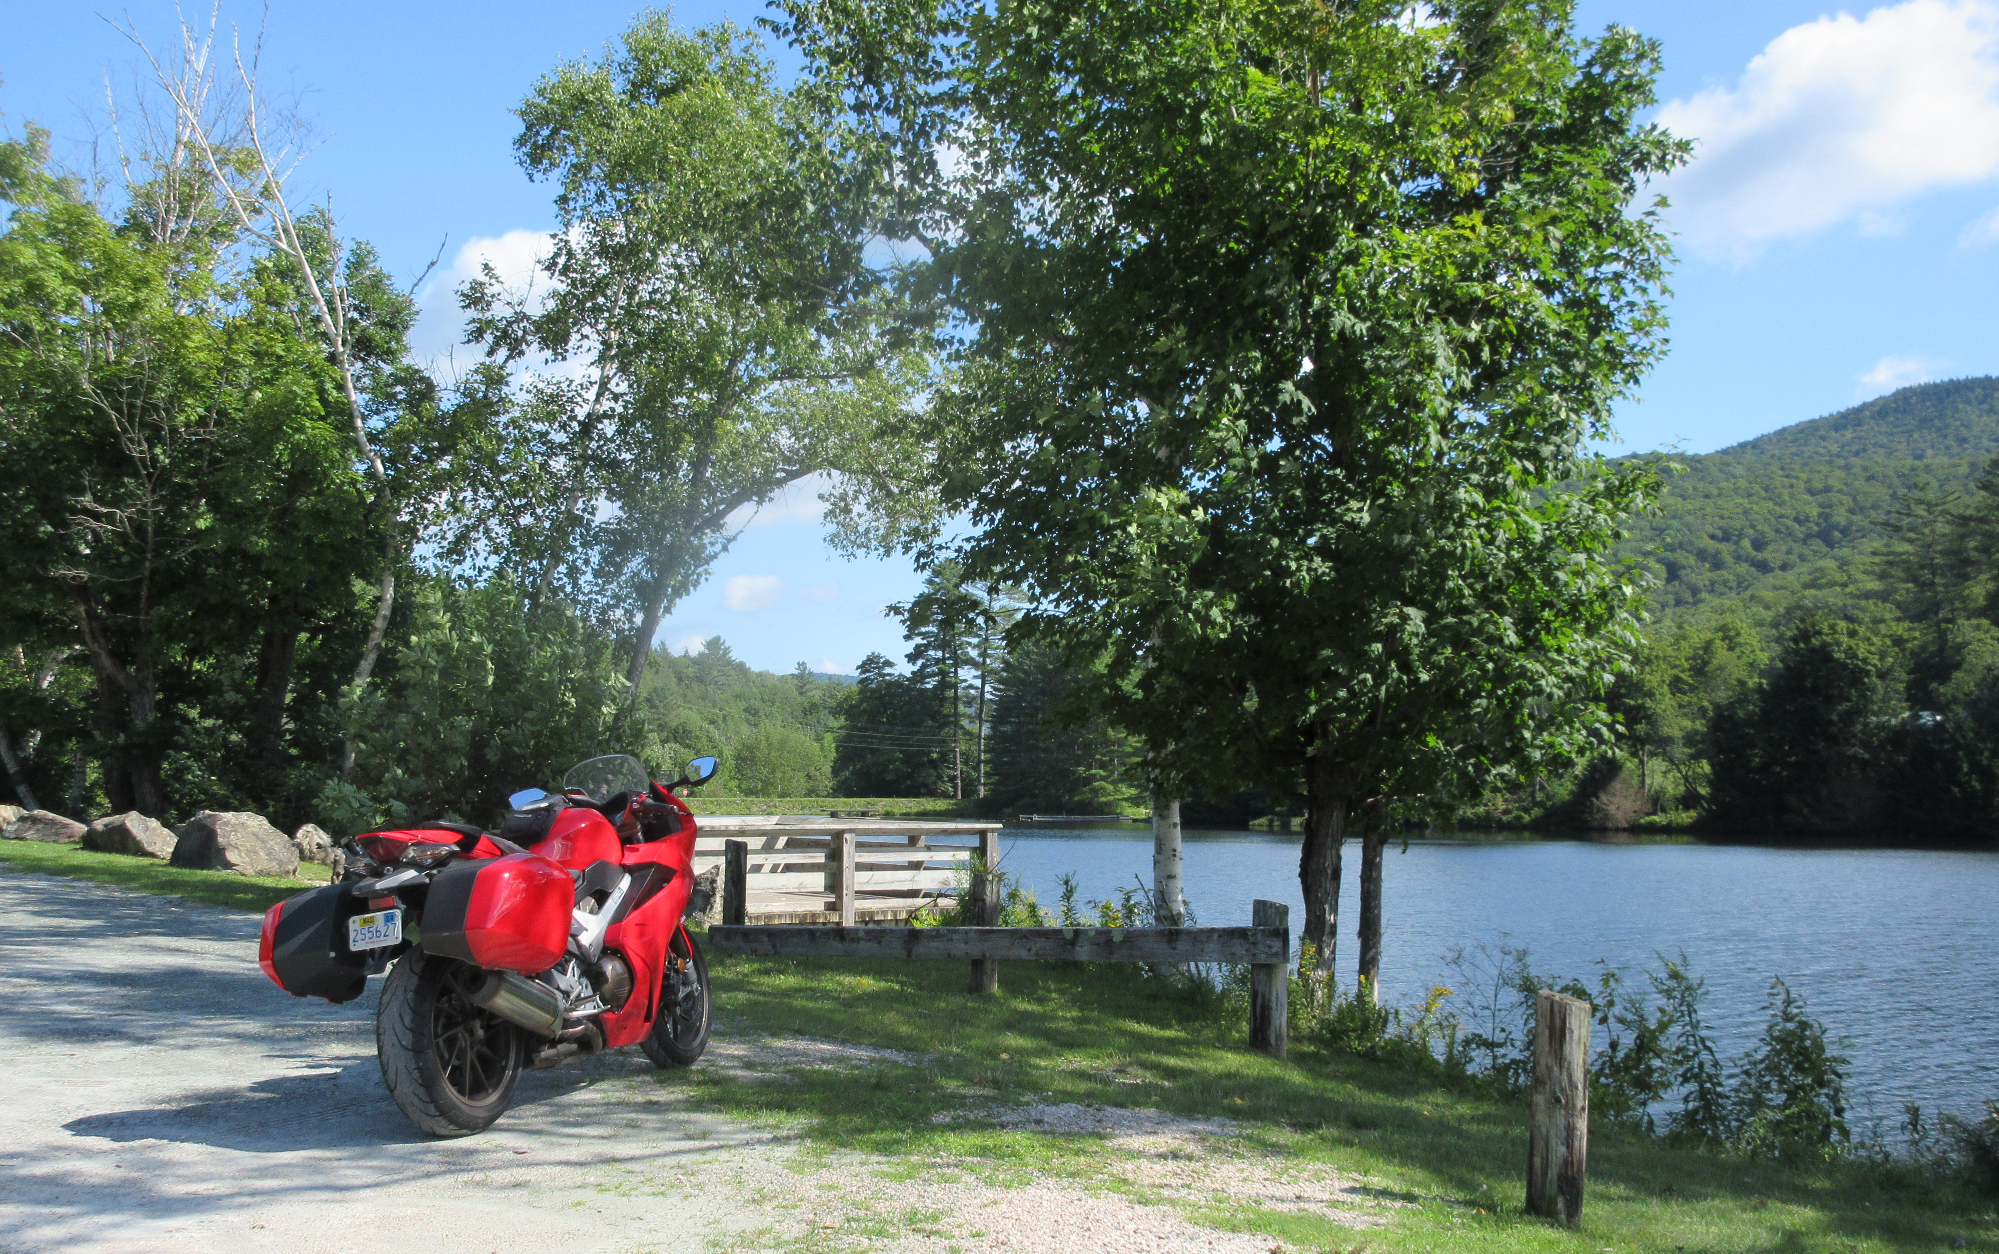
1896,950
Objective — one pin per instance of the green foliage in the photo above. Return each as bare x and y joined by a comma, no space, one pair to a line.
710,273
481,698
1796,515
777,761
1803,754
1784,1098
1042,764
1287,447
1789,1094
772,732
894,740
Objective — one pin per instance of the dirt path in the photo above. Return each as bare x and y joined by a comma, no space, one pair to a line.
161,1095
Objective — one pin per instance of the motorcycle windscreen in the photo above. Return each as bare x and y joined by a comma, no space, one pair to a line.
304,950
505,914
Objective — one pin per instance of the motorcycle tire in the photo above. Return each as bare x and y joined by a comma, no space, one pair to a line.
680,1033
451,1067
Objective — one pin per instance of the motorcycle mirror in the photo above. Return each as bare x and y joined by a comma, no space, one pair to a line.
526,797
700,771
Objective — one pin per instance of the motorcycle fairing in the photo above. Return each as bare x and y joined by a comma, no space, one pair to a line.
507,914
579,836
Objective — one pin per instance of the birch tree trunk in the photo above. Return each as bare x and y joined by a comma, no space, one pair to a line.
1169,901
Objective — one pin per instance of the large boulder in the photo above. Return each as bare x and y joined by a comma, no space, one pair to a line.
7,816
244,843
313,844
131,833
45,825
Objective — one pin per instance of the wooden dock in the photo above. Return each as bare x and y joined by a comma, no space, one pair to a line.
813,869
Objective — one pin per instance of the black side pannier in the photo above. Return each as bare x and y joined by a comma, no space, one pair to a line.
309,951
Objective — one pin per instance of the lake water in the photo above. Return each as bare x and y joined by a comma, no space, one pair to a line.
1895,950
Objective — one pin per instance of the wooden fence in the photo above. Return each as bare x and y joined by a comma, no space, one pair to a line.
807,869
1265,947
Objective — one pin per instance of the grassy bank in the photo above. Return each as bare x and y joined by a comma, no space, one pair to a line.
1446,1166
147,875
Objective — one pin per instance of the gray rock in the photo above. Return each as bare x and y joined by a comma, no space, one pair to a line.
704,901
7,816
45,825
313,844
131,833
244,843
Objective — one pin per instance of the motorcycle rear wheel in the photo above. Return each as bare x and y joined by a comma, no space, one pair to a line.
450,1066
680,1034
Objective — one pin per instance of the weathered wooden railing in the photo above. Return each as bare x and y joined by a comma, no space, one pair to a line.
1265,947
807,869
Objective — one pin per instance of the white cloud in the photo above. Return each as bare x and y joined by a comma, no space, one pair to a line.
1840,118
693,645
1895,372
830,667
1872,223
746,594
440,326
1982,231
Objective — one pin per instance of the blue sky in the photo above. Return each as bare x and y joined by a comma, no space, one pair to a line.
1839,230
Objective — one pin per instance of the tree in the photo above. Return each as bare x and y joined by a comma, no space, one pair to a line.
1042,762
777,761
891,741
1286,328
1804,752
709,273
190,502
1667,701
946,624
234,150
1926,567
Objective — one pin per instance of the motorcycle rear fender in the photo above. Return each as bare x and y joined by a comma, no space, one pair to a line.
505,914
303,947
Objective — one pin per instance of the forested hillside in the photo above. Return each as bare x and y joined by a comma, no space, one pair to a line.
1753,528
1824,650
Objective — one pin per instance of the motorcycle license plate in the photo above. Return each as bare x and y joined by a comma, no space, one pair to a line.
372,931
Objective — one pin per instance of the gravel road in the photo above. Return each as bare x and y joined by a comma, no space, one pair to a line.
163,1096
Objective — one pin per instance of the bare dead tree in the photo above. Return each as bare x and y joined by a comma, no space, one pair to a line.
249,152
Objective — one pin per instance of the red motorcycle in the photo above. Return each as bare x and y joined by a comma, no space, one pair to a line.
558,937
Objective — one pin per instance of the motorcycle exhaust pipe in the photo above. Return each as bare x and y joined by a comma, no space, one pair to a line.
519,1000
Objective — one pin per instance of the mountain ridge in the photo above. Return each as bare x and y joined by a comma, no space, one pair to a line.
1797,512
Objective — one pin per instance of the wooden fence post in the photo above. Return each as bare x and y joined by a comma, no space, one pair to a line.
1270,985
840,877
735,883
986,908
1558,1127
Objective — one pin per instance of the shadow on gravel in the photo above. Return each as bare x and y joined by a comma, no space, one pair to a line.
343,1109
334,1109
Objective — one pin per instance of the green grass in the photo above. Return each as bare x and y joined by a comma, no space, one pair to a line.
1065,1034
148,875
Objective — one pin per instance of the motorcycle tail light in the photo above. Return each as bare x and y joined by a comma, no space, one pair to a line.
385,847
428,853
